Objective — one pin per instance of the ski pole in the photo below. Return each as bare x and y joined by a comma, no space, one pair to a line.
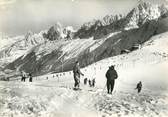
104,87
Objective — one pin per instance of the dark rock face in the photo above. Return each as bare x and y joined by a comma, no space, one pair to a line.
98,28
163,26
54,33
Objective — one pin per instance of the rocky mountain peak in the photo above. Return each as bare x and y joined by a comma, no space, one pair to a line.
54,33
109,19
142,13
32,39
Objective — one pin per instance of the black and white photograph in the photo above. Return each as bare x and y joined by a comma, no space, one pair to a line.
83,58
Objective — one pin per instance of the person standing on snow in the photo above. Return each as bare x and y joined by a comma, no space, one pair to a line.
77,73
23,76
30,77
93,82
111,75
139,86
90,83
85,81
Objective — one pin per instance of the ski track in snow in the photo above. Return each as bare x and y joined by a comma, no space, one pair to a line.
50,98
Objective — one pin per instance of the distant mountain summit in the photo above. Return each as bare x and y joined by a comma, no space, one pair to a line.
57,32
32,39
54,33
141,14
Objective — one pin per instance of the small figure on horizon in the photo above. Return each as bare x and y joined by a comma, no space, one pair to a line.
85,81
77,73
23,76
30,77
90,83
93,82
139,87
111,75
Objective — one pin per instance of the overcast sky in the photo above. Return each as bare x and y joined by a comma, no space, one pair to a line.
19,16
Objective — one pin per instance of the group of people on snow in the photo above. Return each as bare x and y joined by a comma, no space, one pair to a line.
26,75
91,82
111,76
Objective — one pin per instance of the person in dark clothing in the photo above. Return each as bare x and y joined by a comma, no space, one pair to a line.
77,73
111,75
30,77
23,79
139,86
93,82
90,83
85,81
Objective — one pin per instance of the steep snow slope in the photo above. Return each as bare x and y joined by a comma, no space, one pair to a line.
52,94
6,41
153,52
141,64
49,57
15,47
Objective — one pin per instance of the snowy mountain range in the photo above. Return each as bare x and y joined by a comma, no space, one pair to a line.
56,49
141,14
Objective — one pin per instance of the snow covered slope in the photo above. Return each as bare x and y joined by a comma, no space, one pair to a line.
149,64
46,100
52,94
15,47
49,56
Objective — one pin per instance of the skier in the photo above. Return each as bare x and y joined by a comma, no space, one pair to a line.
139,86
90,83
111,75
85,81
77,73
23,76
93,82
30,77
